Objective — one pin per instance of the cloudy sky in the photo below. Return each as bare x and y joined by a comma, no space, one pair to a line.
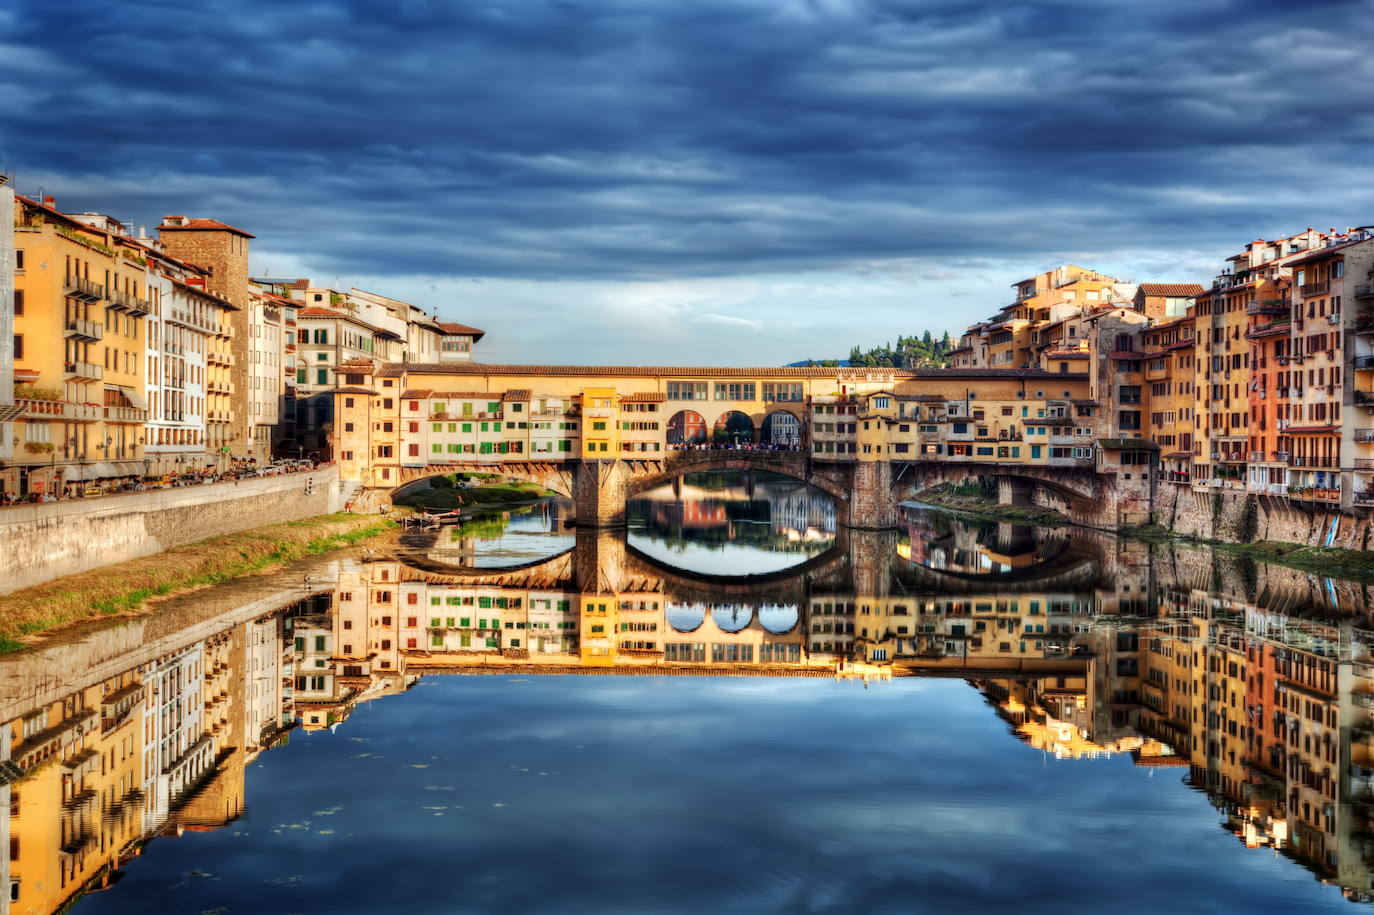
720,181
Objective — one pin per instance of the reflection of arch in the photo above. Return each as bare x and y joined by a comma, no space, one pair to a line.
781,427
732,617
685,617
734,426
686,426
779,619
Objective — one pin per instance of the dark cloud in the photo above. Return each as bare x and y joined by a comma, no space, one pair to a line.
617,140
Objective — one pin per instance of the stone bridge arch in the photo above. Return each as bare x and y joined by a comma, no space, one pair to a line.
1079,490
555,477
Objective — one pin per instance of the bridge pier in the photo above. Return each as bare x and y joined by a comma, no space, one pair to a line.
872,502
599,493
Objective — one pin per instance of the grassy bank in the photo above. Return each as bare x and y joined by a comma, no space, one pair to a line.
972,499
125,589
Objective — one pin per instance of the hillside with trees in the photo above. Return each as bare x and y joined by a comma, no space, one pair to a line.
909,352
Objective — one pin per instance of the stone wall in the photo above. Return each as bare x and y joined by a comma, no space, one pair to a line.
44,541
1240,517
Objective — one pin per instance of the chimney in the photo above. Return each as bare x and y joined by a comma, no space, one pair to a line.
174,220
50,201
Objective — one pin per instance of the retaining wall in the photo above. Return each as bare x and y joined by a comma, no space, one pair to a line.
43,541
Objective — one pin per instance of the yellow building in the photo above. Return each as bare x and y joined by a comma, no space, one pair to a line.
86,286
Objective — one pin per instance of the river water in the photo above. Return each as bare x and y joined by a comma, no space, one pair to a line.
735,706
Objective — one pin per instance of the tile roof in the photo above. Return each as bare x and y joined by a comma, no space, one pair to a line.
452,327
416,394
315,311
1127,444
1068,354
203,225
516,394
1305,430
396,369
644,397
354,390
358,360
1176,290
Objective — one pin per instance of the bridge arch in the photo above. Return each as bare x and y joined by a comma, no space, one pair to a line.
686,427
557,478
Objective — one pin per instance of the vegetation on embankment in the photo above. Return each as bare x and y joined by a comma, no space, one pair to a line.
126,588
442,495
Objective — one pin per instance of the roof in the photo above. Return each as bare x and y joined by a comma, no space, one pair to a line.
1159,761
644,397
358,360
1175,290
454,328
1127,444
1085,403
354,390
416,393
398,369
1068,354
919,398
1304,430
207,294
1321,253
201,225
516,394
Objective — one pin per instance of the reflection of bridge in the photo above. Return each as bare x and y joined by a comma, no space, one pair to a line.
866,493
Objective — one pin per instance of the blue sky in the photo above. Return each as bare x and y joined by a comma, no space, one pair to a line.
724,181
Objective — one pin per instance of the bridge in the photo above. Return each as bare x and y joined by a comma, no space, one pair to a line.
866,493
868,438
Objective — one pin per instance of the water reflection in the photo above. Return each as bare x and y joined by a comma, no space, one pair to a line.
1254,683
732,523
494,539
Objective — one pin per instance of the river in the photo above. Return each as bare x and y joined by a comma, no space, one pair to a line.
733,706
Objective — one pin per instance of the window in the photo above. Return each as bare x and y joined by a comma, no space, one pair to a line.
19,346
734,390
789,392
322,376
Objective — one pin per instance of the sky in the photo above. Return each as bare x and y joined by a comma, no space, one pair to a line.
732,182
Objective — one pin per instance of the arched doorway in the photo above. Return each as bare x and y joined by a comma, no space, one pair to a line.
734,428
686,427
781,428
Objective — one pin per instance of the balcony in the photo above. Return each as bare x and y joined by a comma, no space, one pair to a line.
1311,289
125,301
1365,464
1315,463
1314,494
1364,497
125,415
81,288
1364,291
84,371
85,330
1363,363
59,410
1364,436
1267,307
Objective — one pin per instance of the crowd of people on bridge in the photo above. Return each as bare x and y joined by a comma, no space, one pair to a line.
733,445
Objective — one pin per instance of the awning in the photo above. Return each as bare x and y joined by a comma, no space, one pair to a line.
104,470
124,396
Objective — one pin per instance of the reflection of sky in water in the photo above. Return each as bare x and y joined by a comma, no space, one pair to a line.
714,559
628,795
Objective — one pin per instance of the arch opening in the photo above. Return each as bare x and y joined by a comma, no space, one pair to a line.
782,428
733,428
686,427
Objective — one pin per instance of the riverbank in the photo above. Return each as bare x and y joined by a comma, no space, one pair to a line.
127,588
1335,562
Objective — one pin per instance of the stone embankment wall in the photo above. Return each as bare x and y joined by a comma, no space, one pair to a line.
47,540
1239,517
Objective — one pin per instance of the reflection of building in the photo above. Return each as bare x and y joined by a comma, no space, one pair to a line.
1090,650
